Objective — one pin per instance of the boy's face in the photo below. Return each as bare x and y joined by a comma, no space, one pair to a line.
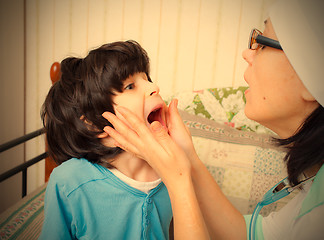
141,97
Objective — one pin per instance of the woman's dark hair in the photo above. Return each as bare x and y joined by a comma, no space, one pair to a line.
72,110
306,147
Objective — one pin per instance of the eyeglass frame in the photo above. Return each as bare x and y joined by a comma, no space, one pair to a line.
262,40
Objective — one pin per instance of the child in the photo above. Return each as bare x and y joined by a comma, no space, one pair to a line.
99,191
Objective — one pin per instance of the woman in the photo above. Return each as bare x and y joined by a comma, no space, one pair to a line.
286,94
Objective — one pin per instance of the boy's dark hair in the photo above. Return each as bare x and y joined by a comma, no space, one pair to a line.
305,148
72,110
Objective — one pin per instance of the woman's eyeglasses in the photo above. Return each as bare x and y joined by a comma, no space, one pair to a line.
257,40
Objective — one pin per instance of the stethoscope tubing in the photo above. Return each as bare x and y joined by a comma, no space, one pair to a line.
254,218
270,197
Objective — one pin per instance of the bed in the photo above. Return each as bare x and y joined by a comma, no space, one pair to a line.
237,151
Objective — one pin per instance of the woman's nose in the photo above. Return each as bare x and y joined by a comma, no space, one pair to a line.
248,55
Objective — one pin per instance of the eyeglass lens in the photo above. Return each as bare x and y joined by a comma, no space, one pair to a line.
253,42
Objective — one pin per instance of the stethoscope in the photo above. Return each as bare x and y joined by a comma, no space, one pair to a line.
278,191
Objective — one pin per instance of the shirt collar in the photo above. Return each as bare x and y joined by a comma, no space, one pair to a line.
315,196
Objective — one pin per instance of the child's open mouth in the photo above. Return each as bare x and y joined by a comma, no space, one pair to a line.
156,115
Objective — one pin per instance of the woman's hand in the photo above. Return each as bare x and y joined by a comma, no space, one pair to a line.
178,130
169,160
154,144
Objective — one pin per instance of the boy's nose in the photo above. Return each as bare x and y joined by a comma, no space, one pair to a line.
152,89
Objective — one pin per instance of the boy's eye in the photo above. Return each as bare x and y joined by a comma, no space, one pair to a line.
130,86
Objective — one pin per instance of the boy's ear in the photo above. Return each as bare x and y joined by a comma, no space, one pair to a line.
90,125
106,140
103,135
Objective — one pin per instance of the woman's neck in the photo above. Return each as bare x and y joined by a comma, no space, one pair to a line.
134,167
288,125
312,171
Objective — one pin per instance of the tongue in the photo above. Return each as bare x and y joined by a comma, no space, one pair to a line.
154,116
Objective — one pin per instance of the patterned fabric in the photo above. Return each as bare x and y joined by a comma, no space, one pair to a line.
244,164
223,105
25,219
236,150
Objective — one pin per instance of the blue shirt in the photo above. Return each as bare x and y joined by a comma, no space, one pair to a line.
86,201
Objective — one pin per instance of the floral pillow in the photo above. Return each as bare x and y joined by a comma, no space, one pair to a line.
223,105
245,164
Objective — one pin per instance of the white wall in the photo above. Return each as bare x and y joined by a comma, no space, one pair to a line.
192,44
11,94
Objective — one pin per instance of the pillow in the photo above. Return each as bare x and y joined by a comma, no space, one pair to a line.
245,164
222,105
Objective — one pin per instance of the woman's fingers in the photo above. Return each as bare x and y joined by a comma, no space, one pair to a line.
174,119
145,134
120,126
178,130
139,126
143,131
175,161
121,142
133,135
152,144
122,134
176,116
161,135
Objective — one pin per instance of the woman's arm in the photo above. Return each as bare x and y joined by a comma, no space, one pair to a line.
196,198
223,220
220,216
188,220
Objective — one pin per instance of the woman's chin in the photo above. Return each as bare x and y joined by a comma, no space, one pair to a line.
247,112
251,113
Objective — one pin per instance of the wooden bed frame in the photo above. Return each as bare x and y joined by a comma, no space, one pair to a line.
24,219
55,74
49,162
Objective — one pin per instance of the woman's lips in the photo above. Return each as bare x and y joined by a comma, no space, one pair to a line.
247,90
